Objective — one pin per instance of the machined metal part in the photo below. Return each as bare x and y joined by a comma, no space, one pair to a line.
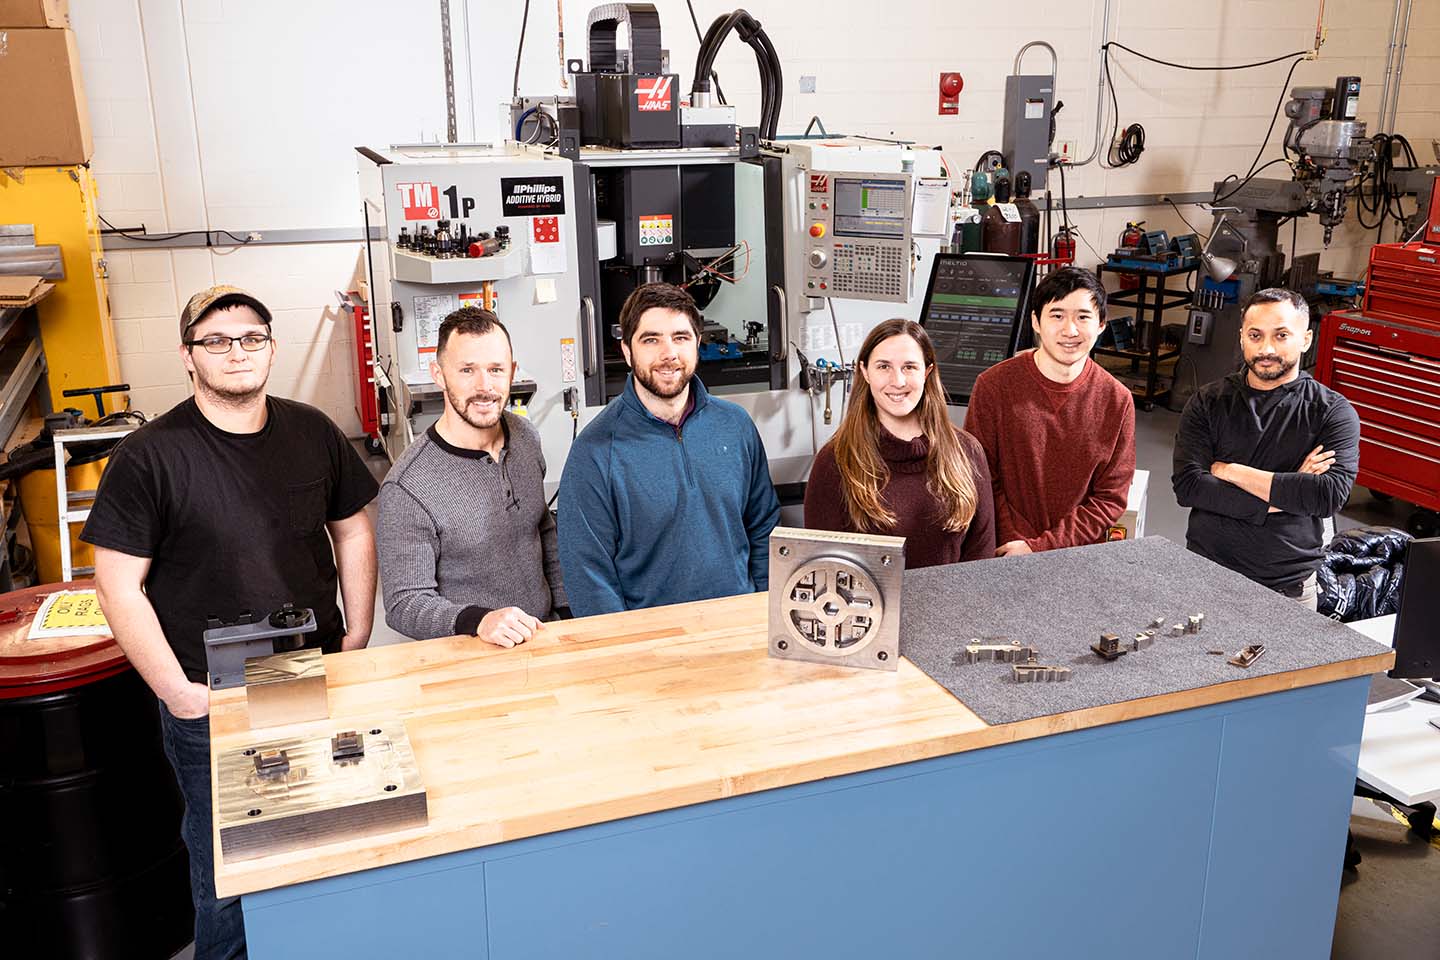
1248,655
228,644
286,688
1039,672
272,764
835,597
307,797
1194,623
1216,653
1157,623
1109,647
1177,630
347,745
1141,641
999,651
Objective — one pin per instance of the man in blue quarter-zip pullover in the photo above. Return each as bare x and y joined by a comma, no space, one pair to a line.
666,495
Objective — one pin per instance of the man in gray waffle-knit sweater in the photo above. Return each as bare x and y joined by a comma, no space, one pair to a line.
462,534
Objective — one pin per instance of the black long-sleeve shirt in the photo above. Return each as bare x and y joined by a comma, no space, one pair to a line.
1272,430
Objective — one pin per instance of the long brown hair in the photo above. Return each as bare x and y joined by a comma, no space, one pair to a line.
864,473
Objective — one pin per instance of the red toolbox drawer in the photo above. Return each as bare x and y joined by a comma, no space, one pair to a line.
1390,373
1404,283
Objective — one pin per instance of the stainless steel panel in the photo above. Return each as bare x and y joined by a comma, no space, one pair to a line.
286,688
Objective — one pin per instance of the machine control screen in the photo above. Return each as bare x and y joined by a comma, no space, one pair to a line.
973,311
870,207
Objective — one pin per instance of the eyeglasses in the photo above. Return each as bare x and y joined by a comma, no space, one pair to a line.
218,344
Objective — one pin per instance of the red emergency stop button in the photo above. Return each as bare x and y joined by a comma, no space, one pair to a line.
817,230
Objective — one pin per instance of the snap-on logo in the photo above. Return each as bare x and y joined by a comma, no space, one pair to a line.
1348,328
654,93
1427,259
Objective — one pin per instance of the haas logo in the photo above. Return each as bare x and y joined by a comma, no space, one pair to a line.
654,93
420,201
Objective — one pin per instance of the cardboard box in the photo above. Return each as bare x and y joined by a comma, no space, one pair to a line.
43,116
1131,525
34,13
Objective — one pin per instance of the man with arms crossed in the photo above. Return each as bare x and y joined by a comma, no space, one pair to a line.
1058,430
231,501
467,543
1266,455
666,495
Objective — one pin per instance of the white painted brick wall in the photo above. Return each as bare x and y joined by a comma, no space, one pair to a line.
244,115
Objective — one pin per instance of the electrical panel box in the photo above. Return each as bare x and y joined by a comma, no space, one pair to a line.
644,202
629,109
859,236
1025,137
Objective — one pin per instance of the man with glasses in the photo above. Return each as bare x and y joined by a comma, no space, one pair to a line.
468,542
232,501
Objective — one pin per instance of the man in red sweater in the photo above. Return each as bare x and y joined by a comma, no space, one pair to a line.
1057,429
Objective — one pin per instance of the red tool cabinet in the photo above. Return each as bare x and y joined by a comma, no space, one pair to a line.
1389,370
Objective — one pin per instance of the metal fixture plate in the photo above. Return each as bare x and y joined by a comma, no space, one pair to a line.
318,799
835,597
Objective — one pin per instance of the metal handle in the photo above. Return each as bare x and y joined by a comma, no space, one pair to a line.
592,335
784,353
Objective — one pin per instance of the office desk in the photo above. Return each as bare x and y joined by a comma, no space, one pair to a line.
1400,750
651,784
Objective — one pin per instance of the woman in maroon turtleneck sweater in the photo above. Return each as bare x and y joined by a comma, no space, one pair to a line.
897,466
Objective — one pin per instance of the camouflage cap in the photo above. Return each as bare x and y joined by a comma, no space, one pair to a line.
215,298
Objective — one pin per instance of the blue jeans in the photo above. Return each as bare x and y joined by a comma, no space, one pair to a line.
219,924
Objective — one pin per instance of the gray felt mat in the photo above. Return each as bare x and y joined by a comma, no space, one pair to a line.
1063,600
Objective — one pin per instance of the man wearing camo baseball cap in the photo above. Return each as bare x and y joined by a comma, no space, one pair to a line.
228,502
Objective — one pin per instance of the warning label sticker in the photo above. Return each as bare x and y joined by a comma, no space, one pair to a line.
657,231
532,196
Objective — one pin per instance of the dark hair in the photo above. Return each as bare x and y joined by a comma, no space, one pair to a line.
475,321
1278,295
1059,284
649,296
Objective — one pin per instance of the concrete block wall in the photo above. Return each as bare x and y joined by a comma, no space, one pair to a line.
221,114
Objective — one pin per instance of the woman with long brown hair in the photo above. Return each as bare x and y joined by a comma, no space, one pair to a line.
897,465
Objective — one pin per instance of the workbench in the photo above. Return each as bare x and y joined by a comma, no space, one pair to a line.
652,784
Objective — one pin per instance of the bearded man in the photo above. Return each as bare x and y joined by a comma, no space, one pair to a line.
1264,456
466,539
666,495
233,501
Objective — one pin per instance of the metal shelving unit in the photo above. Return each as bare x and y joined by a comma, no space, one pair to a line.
75,504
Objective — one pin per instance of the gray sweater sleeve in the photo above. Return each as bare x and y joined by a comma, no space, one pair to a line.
409,544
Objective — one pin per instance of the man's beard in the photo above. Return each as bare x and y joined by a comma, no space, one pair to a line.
462,409
222,391
1279,372
664,393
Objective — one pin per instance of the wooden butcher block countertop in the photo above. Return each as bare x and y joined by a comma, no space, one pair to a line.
613,716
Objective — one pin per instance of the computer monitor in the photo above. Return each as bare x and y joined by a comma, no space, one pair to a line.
1417,625
975,307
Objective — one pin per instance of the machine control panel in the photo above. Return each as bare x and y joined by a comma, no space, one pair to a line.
858,231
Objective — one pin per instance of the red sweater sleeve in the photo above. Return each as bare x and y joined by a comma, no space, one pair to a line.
824,503
980,535
1109,492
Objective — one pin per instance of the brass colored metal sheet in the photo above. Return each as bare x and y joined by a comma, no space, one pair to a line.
273,807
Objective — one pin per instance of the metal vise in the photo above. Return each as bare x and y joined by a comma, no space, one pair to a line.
229,644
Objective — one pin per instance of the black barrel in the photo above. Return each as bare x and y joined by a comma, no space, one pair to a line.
91,861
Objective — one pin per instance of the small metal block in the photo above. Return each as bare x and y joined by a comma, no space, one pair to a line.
1157,623
1177,630
272,764
1141,641
1248,655
1000,651
347,745
1108,647
1039,673
1194,623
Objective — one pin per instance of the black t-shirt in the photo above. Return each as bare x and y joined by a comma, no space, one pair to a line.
231,522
